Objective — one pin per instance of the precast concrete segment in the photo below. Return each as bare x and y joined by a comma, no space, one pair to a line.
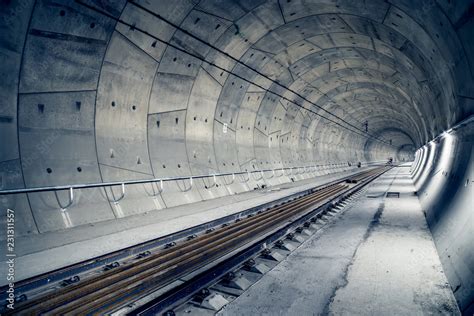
95,100
213,244
444,182
40,254
86,98
377,258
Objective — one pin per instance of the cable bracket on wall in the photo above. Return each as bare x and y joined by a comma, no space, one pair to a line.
156,190
122,194
185,189
233,179
260,178
71,199
243,177
214,182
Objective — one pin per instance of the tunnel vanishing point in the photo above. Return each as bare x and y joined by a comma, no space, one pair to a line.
124,123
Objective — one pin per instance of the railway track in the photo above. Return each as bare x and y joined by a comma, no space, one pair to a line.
120,284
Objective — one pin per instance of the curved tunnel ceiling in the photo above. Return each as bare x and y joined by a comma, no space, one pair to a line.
100,76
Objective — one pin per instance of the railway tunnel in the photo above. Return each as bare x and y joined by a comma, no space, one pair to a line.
131,128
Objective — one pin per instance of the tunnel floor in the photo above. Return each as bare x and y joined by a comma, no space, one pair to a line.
46,252
378,258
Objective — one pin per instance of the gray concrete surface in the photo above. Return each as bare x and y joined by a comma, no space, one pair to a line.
85,98
378,258
49,251
444,178
83,92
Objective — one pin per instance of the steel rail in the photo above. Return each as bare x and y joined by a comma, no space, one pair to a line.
118,301
112,276
129,282
25,286
180,266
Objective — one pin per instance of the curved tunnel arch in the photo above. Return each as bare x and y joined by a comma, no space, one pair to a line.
175,100
335,88
89,99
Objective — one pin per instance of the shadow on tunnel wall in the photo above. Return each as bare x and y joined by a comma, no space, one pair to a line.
443,172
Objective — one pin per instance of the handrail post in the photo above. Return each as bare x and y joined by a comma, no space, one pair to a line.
159,189
261,176
122,194
71,199
233,179
213,185
248,177
190,185
282,173
273,174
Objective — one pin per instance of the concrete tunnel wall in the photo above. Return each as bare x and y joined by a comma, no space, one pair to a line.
86,99
443,172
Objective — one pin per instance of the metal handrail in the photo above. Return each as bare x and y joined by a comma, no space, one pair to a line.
161,180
